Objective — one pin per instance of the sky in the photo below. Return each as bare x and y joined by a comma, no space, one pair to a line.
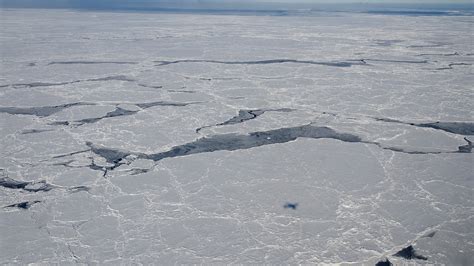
225,4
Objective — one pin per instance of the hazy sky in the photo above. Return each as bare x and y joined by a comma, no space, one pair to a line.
203,3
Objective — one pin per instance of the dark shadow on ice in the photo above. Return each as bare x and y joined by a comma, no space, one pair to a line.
290,206
409,253
385,262
430,235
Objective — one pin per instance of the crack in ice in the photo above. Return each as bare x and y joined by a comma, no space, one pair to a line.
49,84
264,62
245,115
232,142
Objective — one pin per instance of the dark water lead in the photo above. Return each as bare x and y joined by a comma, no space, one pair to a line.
387,42
264,62
414,13
232,142
25,185
347,63
48,84
440,54
461,149
450,66
150,86
433,45
23,205
42,111
78,189
225,142
91,62
395,61
409,253
92,166
182,91
112,156
34,131
163,103
35,186
466,148
461,128
12,183
117,112
245,115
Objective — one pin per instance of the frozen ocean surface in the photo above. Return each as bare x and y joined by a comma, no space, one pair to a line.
200,138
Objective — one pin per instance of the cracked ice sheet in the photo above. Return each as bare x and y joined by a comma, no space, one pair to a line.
356,202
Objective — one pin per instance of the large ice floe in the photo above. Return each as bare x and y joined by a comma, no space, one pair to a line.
197,138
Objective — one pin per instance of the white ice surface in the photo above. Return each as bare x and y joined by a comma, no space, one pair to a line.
358,203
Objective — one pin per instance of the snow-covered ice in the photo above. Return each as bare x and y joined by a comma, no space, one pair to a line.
197,138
